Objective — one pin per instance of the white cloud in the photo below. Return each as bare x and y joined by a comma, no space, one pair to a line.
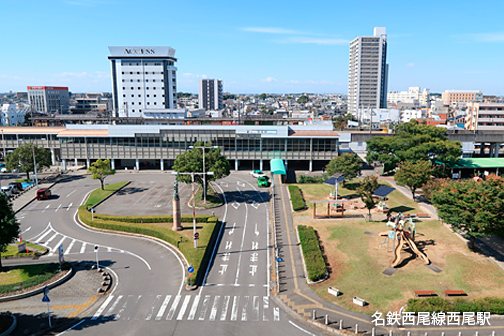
96,74
314,40
271,30
293,81
190,75
488,37
269,80
17,78
410,64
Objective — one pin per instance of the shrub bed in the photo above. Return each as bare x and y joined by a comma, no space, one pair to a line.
314,260
298,202
155,219
436,304
312,179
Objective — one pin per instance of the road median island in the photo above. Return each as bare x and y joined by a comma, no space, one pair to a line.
160,227
314,260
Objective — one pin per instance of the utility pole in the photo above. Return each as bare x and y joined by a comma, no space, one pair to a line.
204,167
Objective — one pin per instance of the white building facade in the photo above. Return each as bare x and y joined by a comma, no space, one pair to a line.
143,78
210,95
414,95
11,116
368,72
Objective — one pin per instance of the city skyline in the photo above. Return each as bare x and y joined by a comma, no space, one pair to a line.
279,47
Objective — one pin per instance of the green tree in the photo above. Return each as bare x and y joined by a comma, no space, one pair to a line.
475,209
192,161
349,165
366,190
433,185
303,99
9,227
22,159
414,142
100,169
413,175
263,96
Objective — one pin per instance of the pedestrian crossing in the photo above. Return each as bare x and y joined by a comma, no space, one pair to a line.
52,239
187,308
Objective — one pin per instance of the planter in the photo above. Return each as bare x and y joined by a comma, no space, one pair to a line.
358,301
333,291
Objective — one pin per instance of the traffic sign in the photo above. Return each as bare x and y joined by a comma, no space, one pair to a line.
46,290
279,259
46,298
196,235
190,269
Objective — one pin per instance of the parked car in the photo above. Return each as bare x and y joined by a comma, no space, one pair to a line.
18,186
43,193
257,173
8,190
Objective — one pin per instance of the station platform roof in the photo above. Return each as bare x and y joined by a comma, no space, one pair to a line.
480,163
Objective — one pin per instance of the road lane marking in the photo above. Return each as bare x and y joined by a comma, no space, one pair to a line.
69,206
276,314
225,307
163,308
46,208
255,308
171,312
228,245
204,308
194,307
83,248
255,245
28,229
43,236
232,230
223,269
111,309
305,331
213,312
59,206
244,308
102,308
234,309
151,312
70,246
182,310
118,315
241,247
59,243
134,305
265,308
50,239
256,231
70,193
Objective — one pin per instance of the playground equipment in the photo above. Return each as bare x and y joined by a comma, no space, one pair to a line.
401,231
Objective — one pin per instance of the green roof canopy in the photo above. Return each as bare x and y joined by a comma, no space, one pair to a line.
480,163
277,167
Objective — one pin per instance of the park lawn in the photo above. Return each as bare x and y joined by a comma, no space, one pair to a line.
12,249
318,191
97,195
356,266
20,277
212,199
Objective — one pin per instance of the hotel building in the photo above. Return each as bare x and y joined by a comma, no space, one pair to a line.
49,99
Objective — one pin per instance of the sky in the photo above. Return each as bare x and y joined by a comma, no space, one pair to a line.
273,46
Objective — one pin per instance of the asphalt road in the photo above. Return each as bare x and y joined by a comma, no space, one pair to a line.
150,296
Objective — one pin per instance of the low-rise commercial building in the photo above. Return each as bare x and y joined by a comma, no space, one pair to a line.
484,116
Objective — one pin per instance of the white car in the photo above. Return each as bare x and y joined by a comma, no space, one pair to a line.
7,190
257,173
3,170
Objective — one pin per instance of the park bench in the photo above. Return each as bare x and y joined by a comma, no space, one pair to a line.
423,216
455,293
425,293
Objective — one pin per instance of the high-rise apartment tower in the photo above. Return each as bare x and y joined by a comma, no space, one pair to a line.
210,94
368,72
143,78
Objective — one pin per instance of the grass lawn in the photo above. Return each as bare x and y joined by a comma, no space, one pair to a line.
318,191
12,249
357,262
98,194
20,277
212,199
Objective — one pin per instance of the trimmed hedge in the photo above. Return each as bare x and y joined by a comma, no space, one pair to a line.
312,179
315,263
492,305
156,219
298,202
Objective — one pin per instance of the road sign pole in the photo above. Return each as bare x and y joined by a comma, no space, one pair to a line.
194,214
49,315
96,251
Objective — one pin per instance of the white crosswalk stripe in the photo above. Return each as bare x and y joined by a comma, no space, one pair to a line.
187,307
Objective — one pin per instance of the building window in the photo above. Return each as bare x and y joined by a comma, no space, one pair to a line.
133,110
146,80
154,88
138,73
139,88
132,88
139,96
147,96
148,103
131,73
124,95
124,88
132,95
154,96
147,88
123,72
155,103
132,103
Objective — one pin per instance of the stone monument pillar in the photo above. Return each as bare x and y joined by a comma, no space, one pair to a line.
176,208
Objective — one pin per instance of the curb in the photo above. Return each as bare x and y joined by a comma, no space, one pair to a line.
11,328
39,290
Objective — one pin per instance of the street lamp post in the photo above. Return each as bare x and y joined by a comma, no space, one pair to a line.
204,175
194,201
